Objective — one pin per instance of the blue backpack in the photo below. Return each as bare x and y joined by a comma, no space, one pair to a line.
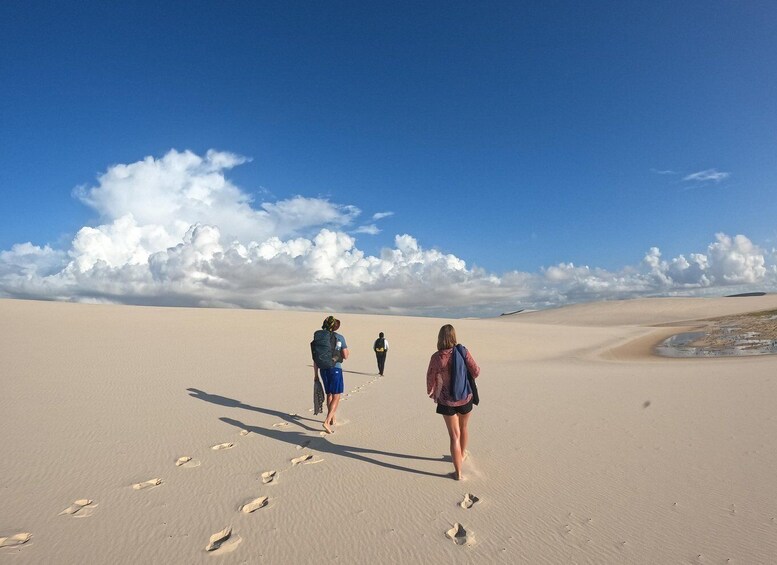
460,388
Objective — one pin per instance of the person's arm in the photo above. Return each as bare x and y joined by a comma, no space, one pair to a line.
431,378
343,347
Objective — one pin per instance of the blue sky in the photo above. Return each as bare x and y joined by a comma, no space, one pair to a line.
526,154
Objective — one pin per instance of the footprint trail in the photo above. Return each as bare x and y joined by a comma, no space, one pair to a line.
301,459
15,540
76,506
147,484
469,501
458,534
255,504
218,538
220,446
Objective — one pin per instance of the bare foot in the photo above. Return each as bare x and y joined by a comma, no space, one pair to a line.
327,428
456,476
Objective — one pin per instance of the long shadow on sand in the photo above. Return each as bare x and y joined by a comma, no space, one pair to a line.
232,403
355,372
360,373
323,446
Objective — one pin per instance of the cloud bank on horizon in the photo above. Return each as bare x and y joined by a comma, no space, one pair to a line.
175,231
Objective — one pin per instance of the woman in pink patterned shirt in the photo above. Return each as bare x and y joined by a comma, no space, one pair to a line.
438,382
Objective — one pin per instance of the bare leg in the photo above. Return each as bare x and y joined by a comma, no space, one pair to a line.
463,434
332,401
329,398
454,433
333,409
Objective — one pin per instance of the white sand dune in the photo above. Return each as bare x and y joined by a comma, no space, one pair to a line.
585,449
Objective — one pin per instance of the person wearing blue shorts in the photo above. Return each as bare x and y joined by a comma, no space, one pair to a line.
332,379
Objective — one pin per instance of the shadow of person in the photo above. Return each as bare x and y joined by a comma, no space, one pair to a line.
354,372
232,403
294,437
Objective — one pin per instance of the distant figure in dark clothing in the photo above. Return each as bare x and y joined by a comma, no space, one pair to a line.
381,348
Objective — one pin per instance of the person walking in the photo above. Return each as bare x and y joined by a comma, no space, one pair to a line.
456,413
381,349
332,378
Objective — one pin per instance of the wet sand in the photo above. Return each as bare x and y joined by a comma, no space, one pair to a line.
745,334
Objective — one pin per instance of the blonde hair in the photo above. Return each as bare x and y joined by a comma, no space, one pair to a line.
446,338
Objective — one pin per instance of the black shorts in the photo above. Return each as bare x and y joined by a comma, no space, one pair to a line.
451,410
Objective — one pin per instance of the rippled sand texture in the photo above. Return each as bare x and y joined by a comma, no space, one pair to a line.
166,435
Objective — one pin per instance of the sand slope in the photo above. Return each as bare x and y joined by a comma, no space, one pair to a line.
580,453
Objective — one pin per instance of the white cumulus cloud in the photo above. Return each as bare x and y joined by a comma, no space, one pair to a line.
176,231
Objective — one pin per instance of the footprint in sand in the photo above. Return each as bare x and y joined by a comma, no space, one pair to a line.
303,445
244,432
269,476
219,446
469,500
15,540
255,504
301,459
458,534
147,484
218,539
280,425
187,462
76,506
